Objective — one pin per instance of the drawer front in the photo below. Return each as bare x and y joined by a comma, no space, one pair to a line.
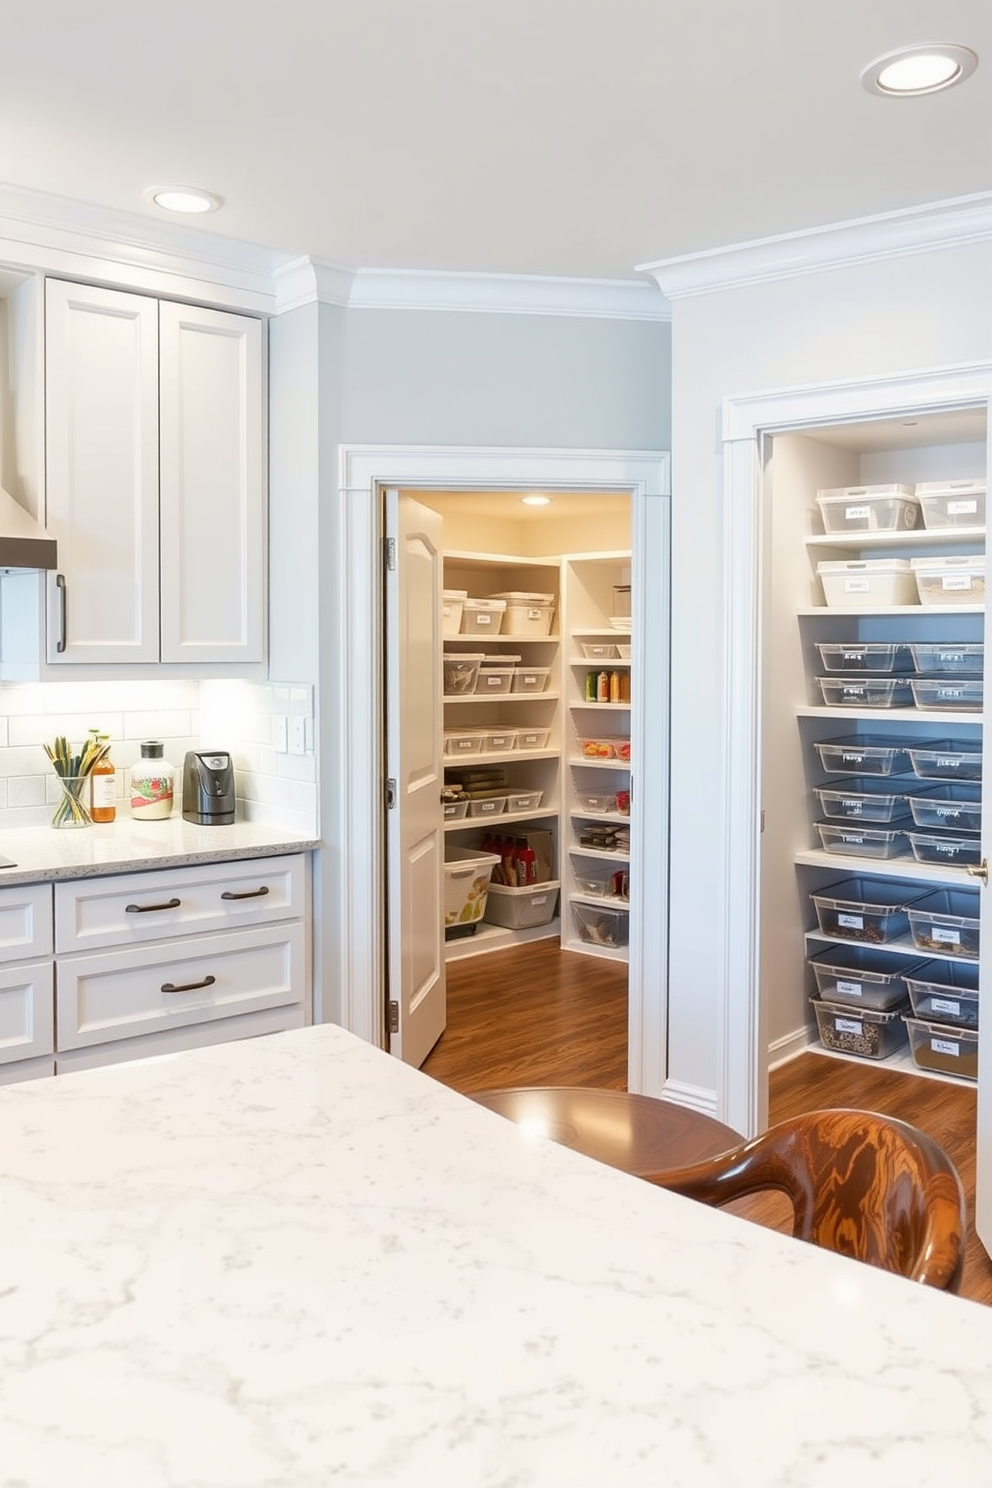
135,908
26,1011
26,922
123,994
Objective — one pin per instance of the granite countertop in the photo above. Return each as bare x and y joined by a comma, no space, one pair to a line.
40,854
293,1261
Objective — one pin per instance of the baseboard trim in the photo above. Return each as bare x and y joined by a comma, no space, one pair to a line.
790,1046
695,1097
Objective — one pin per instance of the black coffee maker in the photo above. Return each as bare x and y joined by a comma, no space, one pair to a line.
208,788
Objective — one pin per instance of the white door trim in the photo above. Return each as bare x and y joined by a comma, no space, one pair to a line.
743,1052
357,960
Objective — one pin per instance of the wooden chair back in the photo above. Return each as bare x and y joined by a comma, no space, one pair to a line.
861,1184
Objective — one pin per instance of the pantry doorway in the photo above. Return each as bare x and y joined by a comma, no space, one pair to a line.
640,483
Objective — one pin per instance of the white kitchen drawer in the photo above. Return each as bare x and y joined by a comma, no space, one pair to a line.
134,908
27,1028
25,922
120,994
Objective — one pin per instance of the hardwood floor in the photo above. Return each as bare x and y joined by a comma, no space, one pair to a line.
538,1015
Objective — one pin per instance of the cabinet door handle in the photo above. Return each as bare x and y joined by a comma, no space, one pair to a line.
247,894
150,908
60,586
208,981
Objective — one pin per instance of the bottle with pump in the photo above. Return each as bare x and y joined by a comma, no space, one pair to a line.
103,785
152,784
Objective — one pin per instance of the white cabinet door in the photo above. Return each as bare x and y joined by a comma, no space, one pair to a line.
26,1011
101,442
212,485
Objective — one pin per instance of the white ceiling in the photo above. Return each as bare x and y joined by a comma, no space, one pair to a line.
562,137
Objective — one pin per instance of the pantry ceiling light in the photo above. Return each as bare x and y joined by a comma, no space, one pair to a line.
184,199
910,71
536,500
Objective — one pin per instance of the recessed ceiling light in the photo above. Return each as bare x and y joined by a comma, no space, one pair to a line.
536,500
184,199
910,71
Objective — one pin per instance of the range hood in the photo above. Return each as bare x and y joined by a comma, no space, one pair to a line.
24,545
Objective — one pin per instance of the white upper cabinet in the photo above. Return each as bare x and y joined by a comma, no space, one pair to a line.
155,479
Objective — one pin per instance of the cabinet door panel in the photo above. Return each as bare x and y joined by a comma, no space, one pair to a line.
212,486
101,443
26,1011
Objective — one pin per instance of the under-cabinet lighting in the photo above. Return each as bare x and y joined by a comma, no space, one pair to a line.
536,500
910,71
184,199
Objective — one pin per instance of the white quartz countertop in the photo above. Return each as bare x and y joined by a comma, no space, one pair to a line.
43,853
293,1261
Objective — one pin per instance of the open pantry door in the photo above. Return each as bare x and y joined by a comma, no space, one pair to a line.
414,821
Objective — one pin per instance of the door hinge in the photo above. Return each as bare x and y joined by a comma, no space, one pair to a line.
390,552
394,1017
390,793
762,827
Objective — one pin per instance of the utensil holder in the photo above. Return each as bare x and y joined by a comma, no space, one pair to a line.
72,809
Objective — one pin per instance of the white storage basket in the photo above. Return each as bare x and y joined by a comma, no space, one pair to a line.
466,884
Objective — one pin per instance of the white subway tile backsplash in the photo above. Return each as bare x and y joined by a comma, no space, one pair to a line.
26,790
156,725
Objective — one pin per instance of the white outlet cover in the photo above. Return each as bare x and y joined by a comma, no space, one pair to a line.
297,735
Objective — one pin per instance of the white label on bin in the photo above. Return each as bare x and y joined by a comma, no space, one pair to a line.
855,807
849,837
539,899
947,811
856,513
529,679
498,740
850,691
850,989
857,586
956,581
533,614
487,806
961,508
464,743
848,1025
947,763
494,681
945,937
855,655
851,922
950,656
945,1046
482,619
949,849
945,1005
446,611
852,759
950,692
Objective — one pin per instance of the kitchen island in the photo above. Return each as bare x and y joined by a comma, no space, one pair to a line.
294,1261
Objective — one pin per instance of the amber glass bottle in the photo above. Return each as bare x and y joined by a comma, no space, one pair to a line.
103,779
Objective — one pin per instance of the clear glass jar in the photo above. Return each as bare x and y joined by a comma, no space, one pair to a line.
152,783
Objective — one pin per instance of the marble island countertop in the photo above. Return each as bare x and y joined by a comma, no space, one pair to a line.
40,854
293,1262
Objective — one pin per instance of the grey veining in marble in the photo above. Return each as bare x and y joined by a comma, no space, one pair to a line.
295,1262
42,854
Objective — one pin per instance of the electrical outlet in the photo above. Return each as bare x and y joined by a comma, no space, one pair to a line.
279,734
297,735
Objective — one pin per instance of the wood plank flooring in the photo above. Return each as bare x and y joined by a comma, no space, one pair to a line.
538,1015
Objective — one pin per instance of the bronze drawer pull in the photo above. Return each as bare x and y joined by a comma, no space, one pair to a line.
148,908
208,981
248,893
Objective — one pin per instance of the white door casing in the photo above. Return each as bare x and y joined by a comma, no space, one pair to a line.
746,418
414,821
355,834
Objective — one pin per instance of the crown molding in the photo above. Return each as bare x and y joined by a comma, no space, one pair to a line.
947,224
54,235
306,280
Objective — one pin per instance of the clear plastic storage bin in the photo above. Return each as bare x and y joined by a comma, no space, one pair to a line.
452,601
860,977
530,679
460,672
943,806
866,584
950,581
532,738
873,911
524,800
952,503
593,885
946,991
957,849
463,742
455,810
862,841
866,692
595,800
947,921
942,1049
482,617
495,678
947,759
487,806
598,749
601,926
864,754
940,659
466,884
889,508
868,656
522,909
598,650
499,741
526,613
964,694
864,801
859,1031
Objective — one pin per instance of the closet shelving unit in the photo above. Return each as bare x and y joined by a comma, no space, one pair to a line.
799,770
